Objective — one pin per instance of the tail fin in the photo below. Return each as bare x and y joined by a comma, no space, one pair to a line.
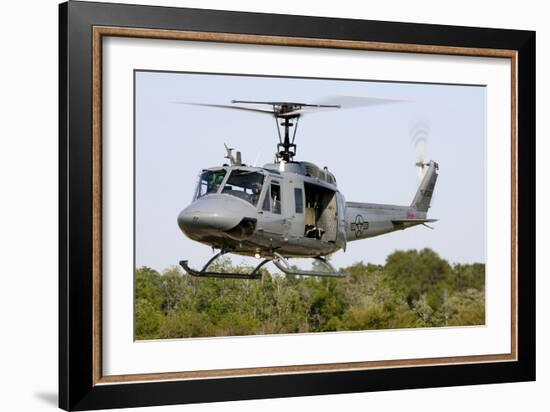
423,197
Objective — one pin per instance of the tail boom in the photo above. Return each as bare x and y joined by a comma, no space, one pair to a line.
369,219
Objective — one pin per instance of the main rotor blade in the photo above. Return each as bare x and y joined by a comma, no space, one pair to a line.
342,102
228,106
351,102
334,102
310,109
285,103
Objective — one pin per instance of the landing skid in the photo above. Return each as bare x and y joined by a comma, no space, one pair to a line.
279,261
205,273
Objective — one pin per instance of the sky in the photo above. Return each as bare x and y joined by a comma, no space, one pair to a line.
370,150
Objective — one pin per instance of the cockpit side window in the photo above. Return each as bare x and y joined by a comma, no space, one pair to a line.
245,185
209,182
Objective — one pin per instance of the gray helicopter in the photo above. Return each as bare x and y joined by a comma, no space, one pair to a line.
288,209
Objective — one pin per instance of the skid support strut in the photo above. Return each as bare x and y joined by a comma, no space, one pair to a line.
283,265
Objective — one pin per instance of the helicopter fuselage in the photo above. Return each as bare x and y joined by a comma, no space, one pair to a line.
293,209
259,210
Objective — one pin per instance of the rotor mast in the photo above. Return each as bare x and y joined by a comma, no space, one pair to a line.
286,150
287,116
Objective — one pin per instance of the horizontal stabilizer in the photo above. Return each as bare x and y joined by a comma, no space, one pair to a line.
406,223
415,221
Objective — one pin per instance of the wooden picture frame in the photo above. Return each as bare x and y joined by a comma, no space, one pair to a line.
82,28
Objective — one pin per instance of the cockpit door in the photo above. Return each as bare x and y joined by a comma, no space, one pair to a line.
341,239
271,209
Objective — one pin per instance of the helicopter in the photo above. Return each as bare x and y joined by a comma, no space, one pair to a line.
287,209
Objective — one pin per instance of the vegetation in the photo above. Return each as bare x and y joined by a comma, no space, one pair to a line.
413,289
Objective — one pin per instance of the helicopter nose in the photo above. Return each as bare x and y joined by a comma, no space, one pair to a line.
212,213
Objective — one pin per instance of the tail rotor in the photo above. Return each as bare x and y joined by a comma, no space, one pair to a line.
419,133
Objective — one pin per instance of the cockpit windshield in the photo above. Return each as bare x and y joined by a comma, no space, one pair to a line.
209,182
244,185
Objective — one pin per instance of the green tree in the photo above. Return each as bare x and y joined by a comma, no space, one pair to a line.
413,289
148,320
420,273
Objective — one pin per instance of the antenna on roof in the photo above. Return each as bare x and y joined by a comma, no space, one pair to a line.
235,161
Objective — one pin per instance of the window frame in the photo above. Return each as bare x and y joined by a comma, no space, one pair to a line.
271,202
